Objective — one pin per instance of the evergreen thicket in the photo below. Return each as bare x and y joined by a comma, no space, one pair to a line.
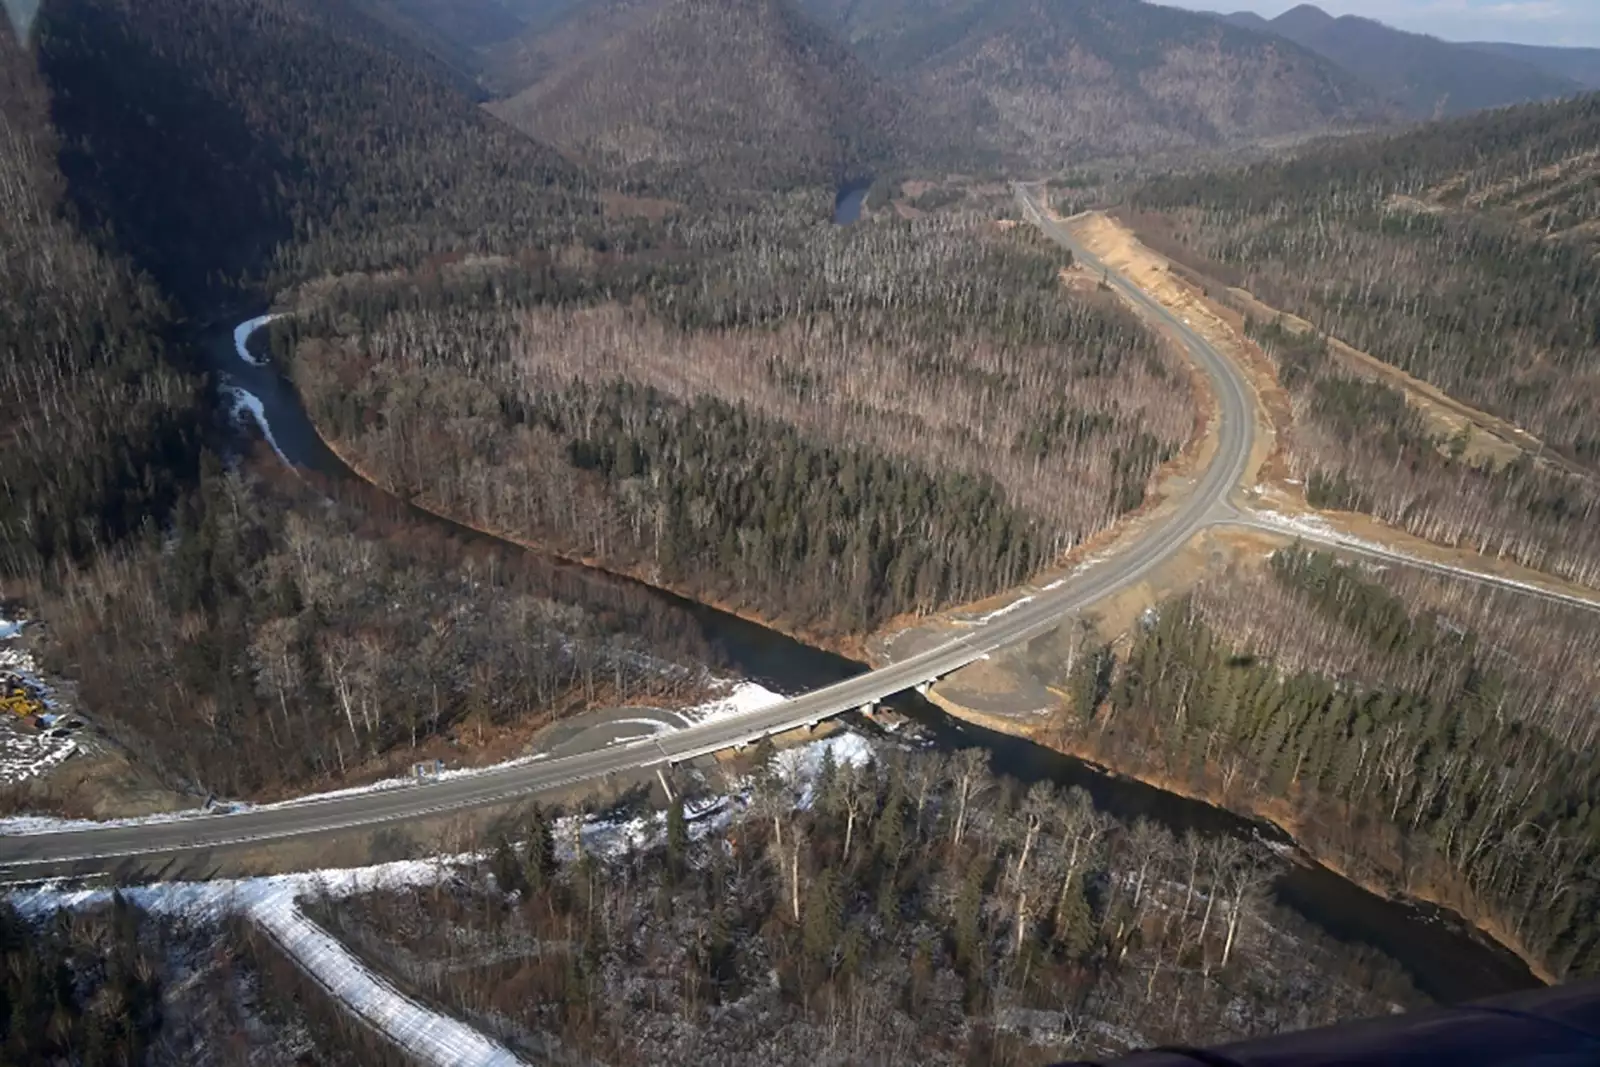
1393,732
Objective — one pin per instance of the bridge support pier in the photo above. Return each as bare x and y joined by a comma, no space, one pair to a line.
924,687
868,708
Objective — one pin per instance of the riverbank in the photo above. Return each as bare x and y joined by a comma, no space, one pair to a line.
1455,900
1442,957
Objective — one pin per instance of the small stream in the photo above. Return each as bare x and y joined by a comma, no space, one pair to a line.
1447,960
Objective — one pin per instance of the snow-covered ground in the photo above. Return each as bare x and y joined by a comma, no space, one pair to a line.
29,755
742,698
243,332
430,1036
25,753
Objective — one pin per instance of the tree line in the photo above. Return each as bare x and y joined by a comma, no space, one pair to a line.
273,638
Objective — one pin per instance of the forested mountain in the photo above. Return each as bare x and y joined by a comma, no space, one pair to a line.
100,428
737,92
1429,77
217,146
282,138
1581,65
1463,253
1051,80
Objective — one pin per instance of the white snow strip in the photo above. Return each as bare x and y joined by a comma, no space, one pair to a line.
242,333
652,728
9,629
246,401
427,1035
1315,528
1008,609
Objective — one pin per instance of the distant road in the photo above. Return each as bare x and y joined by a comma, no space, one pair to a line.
99,849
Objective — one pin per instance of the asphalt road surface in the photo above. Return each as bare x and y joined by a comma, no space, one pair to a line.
103,848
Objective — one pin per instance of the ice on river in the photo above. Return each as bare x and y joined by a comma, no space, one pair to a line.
243,332
244,401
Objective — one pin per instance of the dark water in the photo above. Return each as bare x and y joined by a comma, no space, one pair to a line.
1446,959
848,201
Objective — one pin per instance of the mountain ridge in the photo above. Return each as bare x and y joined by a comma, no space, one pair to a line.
1429,77
1098,77
763,96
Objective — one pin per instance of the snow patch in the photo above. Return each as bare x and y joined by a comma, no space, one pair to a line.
243,401
26,755
243,332
742,699
9,628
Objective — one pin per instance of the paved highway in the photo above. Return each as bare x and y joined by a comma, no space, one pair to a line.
102,847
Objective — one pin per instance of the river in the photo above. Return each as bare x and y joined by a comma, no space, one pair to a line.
1446,958
849,200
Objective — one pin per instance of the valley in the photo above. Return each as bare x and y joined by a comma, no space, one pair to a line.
629,360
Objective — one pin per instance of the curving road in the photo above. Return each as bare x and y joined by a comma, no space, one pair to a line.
101,848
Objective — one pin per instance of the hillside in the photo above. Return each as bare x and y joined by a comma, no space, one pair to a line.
1581,65
1427,76
739,92
1465,253
226,143
97,427
1076,77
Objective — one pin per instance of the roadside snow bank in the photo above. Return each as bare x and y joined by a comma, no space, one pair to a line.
1007,610
1317,530
243,332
